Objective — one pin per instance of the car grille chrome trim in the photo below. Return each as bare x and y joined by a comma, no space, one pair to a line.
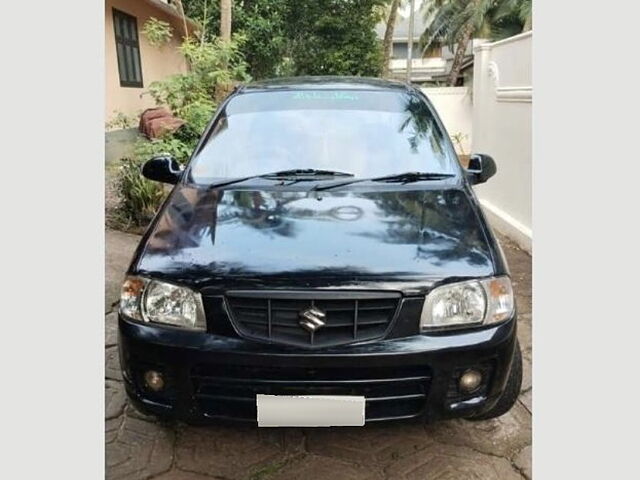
312,319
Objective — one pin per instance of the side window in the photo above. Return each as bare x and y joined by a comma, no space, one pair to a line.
128,49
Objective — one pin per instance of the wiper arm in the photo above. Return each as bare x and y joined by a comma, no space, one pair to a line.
306,172
407,177
298,173
410,177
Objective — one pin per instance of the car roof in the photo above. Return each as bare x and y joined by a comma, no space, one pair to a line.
324,83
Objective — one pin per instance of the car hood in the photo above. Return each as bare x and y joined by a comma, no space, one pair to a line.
302,239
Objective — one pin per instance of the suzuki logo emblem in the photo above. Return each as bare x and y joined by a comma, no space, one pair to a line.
312,319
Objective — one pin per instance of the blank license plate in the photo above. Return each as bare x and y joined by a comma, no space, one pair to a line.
310,410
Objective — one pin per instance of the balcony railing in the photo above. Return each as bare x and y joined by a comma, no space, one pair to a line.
432,65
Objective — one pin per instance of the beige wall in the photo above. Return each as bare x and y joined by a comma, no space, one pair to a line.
157,63
454,108
502,100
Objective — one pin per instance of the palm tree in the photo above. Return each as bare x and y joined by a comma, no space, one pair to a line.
184,18
520,9
224,87
526,15
456,22
387,43
225,20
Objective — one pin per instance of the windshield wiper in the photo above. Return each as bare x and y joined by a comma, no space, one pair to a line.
411,177
306,172
298,174
404,178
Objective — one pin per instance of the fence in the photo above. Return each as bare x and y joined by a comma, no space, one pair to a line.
502,96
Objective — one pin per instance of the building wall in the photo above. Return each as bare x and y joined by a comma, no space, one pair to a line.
454,107
157,63
502,101
401,49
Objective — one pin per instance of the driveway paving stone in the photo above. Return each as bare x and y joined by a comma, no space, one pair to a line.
523,461
526,374
140,450
112,426
371,445
501,436
112,364
176,474
451,462
232,452
111,330
139,447
524,333
527,400
115,399
306,467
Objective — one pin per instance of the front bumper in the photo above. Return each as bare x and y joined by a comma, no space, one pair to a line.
213,377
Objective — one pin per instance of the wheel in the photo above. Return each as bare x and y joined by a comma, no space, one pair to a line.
511,391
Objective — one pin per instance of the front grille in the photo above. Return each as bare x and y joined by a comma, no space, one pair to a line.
391,393
337,317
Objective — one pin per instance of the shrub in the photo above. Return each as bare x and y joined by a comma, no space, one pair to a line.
120,120
145,149
335,37
190,96
157,32
139,197
302,37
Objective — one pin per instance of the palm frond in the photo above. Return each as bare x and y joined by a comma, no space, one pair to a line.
492,19
439,24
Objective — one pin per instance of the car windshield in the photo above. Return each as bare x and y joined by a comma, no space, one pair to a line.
364,133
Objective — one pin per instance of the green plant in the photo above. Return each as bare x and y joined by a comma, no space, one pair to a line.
455,22
145,149
302,37
521,9
335,37
262,23
190,96
139,197
458,138
157,32
121,121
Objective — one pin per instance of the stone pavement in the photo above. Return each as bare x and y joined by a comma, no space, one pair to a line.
138,447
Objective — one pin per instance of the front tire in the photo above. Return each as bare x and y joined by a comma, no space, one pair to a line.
511,390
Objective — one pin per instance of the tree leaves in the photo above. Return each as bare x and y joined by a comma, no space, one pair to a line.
157,32
304,37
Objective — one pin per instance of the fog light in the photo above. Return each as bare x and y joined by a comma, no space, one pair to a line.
470,381
154,380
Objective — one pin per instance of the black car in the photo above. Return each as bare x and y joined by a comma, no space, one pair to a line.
323,243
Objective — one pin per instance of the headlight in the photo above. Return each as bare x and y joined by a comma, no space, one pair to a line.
475,302
160,302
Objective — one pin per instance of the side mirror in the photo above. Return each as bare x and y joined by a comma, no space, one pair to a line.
481,168
162,168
